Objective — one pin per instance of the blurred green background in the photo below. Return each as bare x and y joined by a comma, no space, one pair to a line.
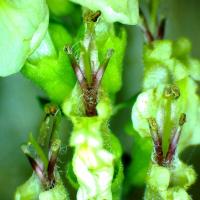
21,113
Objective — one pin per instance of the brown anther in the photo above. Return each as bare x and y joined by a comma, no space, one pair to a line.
153,124
182,119
95,16
50,109
171,92
91,16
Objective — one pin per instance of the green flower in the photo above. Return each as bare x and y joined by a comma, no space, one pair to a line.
164,73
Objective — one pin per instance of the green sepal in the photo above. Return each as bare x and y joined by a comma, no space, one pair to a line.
33,190
30,190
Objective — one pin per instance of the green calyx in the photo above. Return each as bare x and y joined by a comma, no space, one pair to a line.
33,190
169,183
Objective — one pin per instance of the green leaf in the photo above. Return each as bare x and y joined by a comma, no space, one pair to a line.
126,11
49,67
23,25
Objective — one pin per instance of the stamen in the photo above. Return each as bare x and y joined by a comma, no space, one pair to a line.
53,155
174,140
34,164
100,72
157,140
77,70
